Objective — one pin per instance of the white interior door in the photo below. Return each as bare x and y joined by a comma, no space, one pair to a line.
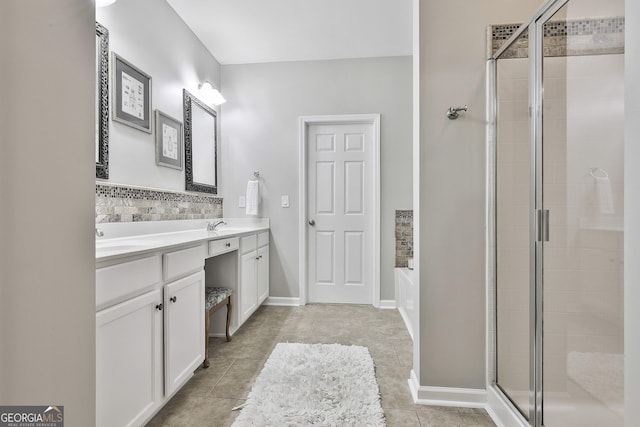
340,212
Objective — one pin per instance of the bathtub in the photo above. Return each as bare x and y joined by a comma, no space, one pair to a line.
405,296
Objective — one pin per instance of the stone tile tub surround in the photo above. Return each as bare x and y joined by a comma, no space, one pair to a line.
404,237
119,203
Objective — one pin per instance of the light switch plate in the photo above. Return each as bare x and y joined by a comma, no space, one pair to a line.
242,202
285,201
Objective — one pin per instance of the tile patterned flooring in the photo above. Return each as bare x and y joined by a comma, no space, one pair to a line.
208,397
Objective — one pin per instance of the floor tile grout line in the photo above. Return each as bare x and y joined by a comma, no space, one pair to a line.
221,377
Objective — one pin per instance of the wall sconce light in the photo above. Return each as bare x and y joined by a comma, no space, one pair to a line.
210,95
104,3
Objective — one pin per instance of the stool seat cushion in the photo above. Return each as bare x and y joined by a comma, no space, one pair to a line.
214,296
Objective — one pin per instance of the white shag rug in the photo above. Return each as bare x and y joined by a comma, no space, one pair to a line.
314,384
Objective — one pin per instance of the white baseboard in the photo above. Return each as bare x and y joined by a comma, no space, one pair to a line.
387,304
282,301
223,334
446,396
407,321
218,335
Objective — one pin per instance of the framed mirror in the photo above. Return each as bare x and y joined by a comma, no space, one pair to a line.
102,102
200,145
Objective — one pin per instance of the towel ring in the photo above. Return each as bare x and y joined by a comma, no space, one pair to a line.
595,171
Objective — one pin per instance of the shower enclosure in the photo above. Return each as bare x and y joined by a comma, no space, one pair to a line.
556,98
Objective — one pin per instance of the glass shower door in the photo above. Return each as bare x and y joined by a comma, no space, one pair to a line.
559,154
582,189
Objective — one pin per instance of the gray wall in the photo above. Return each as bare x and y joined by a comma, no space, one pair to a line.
631,214
150,35
260,132
47,264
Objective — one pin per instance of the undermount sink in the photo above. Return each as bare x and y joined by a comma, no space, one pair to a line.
228,230
123,245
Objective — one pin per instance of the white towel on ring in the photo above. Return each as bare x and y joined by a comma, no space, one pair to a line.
605,195
252,197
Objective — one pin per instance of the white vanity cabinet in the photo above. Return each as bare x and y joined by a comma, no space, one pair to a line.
254,273
149,344
248,288
129,361
129,343
183,330
262,273
150,324
184,314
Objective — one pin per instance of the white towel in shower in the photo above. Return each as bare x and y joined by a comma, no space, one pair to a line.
605,195
252,198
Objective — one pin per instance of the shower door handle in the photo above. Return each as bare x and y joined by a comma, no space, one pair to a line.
543,225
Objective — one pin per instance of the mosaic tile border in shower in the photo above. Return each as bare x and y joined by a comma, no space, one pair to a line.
566,38
404,237
119,203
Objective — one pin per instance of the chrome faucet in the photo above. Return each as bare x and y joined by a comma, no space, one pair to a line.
99,232
211,226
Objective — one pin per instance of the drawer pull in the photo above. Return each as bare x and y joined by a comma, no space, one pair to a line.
159,307
173,299
228,244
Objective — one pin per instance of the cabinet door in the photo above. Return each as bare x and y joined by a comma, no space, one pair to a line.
129,361
183,329
263,274
248,289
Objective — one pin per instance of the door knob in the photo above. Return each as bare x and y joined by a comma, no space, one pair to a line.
312,222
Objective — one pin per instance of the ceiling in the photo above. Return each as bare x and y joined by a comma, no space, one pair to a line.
251,31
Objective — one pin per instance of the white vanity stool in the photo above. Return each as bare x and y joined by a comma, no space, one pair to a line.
215,298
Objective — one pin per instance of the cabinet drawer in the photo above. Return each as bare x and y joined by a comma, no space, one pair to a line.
179,263
217,247
263,239
248,243
126,280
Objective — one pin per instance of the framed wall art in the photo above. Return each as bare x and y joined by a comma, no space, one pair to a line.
132,95
168,141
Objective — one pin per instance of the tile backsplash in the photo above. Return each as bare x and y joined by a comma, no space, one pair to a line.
119,203
404,237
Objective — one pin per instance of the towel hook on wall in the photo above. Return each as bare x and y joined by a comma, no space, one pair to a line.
598,173
453,112
256,174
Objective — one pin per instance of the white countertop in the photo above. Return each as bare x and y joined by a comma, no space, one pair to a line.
122,240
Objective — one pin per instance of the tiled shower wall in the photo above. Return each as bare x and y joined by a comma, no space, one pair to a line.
118,203
404,237
566,38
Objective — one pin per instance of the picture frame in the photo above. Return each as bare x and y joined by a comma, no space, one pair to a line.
131,95
169,141
102,104
200,145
